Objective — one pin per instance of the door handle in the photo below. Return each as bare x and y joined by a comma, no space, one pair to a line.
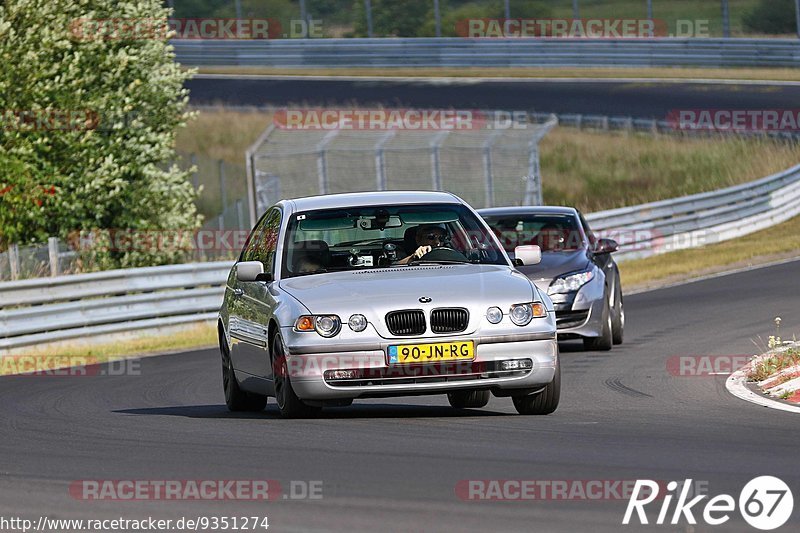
238,292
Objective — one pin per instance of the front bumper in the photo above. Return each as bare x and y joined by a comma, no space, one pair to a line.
580,314
379,379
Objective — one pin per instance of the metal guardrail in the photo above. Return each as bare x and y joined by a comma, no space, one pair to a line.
700,219
489,52
54,309
66,307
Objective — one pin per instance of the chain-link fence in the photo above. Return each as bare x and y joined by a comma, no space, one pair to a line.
485,167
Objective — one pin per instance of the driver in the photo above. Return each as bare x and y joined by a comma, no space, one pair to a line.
427,237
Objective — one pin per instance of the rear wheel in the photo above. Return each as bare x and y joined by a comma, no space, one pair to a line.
544,402
605,340
235,398
468,399
289,404
617,316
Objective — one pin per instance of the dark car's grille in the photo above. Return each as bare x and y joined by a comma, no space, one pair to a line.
411,322
570,319
449,320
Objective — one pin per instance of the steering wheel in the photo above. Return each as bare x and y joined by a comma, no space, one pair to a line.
444,253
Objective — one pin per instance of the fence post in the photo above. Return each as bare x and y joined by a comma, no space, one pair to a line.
224,196
239,214
436,167
368,12
533,186
195,178
13,260
380,163
487,169
52,252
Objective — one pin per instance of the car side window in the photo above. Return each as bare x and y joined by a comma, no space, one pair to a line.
265,243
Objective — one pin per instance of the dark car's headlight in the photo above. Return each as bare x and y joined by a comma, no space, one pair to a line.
571,282
522,314
325,325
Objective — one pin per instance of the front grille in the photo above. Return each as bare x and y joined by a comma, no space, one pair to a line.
409,322
570,319
449,320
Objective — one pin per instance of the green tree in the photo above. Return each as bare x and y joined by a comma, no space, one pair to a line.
771,16
88,125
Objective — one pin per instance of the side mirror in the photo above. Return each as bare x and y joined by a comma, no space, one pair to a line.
605,246
527,255
249,270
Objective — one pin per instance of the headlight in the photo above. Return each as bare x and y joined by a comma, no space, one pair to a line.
494,315
570,283
521,314
327,325
357,323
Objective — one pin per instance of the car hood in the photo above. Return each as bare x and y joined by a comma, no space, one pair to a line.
376,292
554,264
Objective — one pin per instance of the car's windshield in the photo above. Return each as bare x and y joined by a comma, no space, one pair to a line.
383,236
551,232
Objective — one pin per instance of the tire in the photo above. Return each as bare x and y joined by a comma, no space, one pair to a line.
289,404
468,399
236,399
541,403
604,342
617,316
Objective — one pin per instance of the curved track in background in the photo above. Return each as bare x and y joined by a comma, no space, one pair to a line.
639,99
393,464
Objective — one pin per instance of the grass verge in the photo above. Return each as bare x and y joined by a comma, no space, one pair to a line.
129,345
681,73
776,243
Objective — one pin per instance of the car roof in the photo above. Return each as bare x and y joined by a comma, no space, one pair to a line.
528,210
335,201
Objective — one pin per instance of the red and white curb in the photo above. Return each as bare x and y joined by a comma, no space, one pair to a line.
737,385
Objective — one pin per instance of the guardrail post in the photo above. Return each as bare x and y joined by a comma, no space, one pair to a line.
52,252
13,260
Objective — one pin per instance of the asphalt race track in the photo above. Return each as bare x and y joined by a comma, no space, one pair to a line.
640,99
393,465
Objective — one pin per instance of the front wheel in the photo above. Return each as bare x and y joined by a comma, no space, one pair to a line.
618,316
289,404
605,341
468,399
235,398
544,402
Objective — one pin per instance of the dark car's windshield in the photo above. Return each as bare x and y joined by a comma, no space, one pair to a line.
384,236
551,232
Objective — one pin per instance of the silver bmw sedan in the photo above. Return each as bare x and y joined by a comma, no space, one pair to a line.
384,294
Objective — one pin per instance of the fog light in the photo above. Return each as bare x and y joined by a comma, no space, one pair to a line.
516,364
357,323
494,315
341,374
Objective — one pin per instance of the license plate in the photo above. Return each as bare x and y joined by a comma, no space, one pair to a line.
431,353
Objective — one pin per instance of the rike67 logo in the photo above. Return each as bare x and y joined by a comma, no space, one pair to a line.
765,503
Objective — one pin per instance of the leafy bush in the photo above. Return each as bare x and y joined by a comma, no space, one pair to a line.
108,165
771,16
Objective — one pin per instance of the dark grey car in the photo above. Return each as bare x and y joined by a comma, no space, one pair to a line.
577,269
